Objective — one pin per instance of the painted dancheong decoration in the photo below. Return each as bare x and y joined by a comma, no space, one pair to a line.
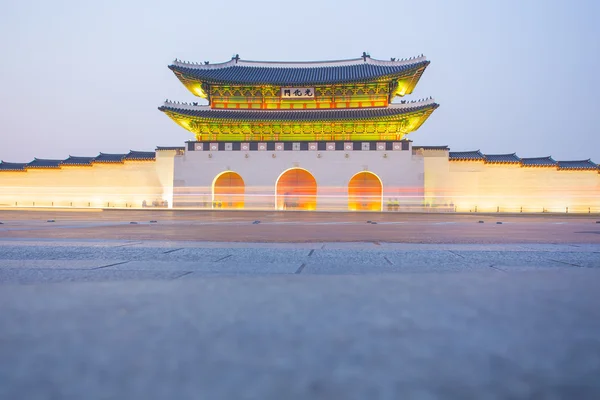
306,101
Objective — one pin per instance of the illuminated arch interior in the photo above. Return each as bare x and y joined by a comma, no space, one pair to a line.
228,190
296,190
364,192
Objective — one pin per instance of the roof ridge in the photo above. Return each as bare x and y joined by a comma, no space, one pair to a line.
536,158
45,159
236,61
588,160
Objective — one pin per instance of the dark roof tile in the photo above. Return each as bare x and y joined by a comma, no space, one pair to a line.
466,155
166,148
577,165
109,158
281,73
298,115
538,162
73,160
140,155
9,166
44,163
432,147
502,158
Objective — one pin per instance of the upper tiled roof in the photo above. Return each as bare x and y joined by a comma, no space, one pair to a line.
538,162
583,164
110,158
466,155
298,115
502,158
42,163
72,160
9,166
140,155
297,73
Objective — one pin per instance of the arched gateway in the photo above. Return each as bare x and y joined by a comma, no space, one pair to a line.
228,190
365,192
296,189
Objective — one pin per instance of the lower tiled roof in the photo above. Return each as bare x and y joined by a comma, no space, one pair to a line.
297,115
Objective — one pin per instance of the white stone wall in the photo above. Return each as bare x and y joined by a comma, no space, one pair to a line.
401,174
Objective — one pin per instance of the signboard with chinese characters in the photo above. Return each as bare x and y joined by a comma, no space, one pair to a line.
297,93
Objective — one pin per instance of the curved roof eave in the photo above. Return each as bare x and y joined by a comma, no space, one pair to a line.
205,112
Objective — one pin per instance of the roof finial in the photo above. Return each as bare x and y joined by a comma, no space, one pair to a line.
236,58
365,55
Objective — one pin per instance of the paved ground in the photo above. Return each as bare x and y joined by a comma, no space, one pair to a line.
102,318
245,226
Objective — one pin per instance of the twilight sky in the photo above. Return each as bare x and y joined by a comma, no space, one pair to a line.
79,77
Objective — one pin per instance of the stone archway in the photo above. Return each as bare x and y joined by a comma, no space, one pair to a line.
296,189
228,190
365,192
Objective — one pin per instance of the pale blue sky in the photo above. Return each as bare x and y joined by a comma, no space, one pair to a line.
80,77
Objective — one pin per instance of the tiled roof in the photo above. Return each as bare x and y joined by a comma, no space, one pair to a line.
297,73
466,155
109,158
583,164
431,147
166,148
298,115
502,158
538,162
42,163
72,160
9,166
140,155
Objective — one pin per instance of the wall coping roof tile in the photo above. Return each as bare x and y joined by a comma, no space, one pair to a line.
502,158
577,165
167,148
109,158
441,148
44,163
75,160
538,162
10,166
140,155
474,155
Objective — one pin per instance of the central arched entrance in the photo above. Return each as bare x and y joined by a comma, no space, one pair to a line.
228,190
365,192
296,189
